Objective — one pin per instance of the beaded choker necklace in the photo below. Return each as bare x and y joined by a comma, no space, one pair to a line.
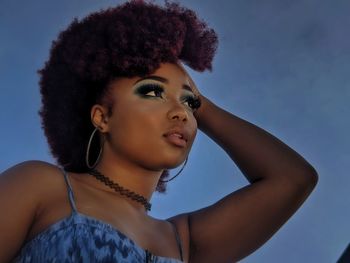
121,190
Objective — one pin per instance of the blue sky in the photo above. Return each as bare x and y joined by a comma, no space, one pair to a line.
282,65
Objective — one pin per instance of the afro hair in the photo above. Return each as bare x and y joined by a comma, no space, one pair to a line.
129,40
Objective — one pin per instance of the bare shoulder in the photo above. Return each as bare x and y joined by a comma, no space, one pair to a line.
181,223
30,180
29,168
29,173
22,188
27,182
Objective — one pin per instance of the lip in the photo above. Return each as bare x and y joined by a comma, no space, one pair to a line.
174,139
173,136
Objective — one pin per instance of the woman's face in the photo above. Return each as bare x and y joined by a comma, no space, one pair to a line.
146,115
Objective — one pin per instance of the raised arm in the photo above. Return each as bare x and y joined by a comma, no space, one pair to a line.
244,220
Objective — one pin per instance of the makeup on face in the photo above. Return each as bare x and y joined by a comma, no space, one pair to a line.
153,87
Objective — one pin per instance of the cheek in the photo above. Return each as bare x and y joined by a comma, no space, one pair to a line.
134,130
137,133
193,126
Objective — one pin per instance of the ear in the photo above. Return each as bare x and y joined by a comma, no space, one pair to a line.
99,117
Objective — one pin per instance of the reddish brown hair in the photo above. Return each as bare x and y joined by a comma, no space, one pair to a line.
129,40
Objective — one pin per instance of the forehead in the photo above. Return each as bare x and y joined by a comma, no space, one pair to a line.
168,73
174,73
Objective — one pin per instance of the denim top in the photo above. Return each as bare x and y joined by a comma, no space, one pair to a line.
81,238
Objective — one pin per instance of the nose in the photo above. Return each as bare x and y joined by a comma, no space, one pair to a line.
178,112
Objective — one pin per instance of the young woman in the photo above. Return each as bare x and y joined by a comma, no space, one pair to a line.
118,111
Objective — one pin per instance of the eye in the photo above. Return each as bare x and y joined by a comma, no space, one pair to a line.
150,90
193,102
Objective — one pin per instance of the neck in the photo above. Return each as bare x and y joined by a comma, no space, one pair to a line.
130,176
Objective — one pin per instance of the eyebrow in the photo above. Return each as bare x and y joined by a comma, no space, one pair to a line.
163,80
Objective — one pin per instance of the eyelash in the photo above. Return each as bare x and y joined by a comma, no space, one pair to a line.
193,102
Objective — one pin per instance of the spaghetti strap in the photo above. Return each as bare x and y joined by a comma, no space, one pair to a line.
178,240
70,191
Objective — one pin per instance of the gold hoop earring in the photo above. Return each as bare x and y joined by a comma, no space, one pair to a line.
88,151
172,178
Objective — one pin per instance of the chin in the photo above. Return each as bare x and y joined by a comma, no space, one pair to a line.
172,164
164,159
